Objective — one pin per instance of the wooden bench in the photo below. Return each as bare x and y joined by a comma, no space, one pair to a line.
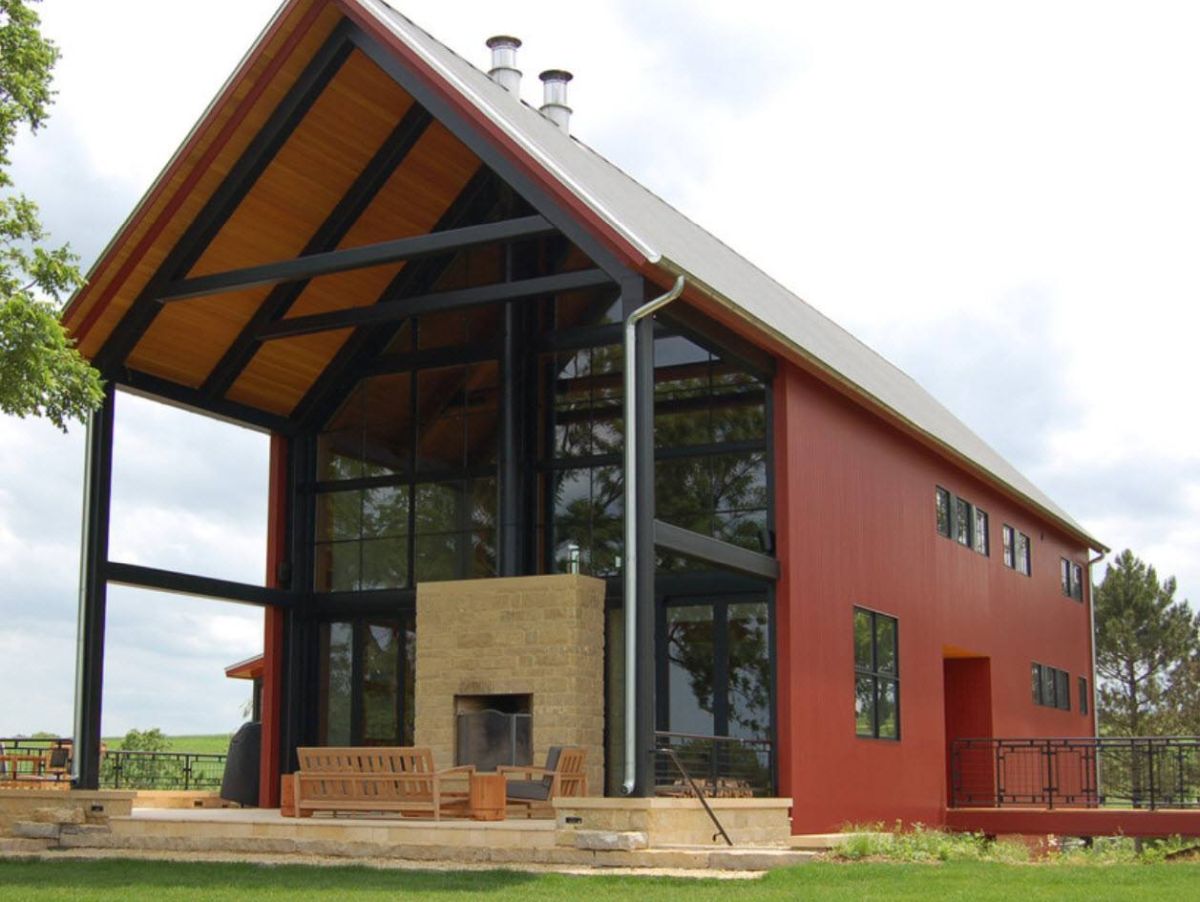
391,780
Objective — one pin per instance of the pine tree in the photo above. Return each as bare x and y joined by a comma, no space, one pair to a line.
1146,646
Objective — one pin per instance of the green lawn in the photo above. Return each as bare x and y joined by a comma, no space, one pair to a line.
201,745
166,881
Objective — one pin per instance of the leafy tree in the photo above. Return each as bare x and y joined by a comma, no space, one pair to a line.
151,740
41,373
1147,649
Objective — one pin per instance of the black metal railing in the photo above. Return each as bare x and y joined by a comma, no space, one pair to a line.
120,769
1108,772
161,770
723,767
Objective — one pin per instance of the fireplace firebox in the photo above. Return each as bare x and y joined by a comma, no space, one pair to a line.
493,730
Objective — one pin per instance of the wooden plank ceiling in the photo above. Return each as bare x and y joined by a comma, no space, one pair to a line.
342,131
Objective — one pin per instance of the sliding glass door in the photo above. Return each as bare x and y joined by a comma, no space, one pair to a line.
365,689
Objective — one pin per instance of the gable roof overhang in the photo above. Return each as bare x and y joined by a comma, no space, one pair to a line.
575,188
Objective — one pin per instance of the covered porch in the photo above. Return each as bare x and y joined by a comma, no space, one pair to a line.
432,335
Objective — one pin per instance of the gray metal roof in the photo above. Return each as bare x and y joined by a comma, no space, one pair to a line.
669,239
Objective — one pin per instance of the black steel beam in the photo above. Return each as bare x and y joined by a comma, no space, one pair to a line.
472,205
93,594
136,382
237,184
200,586
714,551
395,148
399,309
485,147
313,265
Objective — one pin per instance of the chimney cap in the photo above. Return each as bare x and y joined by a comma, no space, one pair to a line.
556,75
503,40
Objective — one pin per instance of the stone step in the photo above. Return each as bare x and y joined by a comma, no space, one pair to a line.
736,859
15,845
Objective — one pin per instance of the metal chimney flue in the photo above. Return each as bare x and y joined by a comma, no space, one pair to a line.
554,105
504,71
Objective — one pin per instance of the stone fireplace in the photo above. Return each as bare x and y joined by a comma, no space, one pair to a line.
539,639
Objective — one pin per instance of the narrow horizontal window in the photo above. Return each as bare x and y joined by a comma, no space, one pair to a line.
1052,687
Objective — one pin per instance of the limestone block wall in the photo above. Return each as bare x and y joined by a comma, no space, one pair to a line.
541,636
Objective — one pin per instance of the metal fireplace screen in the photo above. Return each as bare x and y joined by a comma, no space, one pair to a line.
494,730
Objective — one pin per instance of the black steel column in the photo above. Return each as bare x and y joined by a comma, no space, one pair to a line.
509,535
646,671
93,593
295,701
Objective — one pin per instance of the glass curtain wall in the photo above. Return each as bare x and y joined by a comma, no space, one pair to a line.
406,476
710,440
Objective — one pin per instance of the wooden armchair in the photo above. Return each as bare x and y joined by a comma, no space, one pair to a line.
562,777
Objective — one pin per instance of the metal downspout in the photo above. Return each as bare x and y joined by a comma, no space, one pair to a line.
631,530
1092,615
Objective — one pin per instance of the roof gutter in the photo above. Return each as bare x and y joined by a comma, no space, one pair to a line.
631,530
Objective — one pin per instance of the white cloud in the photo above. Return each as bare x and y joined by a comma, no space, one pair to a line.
999,196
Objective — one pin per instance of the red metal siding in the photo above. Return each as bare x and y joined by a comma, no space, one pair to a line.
856,526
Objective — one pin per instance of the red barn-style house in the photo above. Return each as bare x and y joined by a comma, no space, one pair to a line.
541,444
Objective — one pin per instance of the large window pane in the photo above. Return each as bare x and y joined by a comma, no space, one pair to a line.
888,709
864,657
334,686
885,645
864,705
690,669
749,677
384,564
381,684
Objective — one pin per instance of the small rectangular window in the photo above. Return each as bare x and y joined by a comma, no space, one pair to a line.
1052,687
942,506
1076,586
1064,575
1009,540
981,532
1023,554
876,675
1083,695
962,522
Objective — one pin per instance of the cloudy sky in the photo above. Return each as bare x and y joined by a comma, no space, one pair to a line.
1000,197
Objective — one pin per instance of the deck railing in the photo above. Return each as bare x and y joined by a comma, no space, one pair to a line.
121,769
1106,772
722,766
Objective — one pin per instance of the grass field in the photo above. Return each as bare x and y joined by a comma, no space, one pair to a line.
202,745
167,881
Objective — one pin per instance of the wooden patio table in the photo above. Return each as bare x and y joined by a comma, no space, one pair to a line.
488,797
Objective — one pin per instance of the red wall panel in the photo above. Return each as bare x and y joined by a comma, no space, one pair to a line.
856,526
